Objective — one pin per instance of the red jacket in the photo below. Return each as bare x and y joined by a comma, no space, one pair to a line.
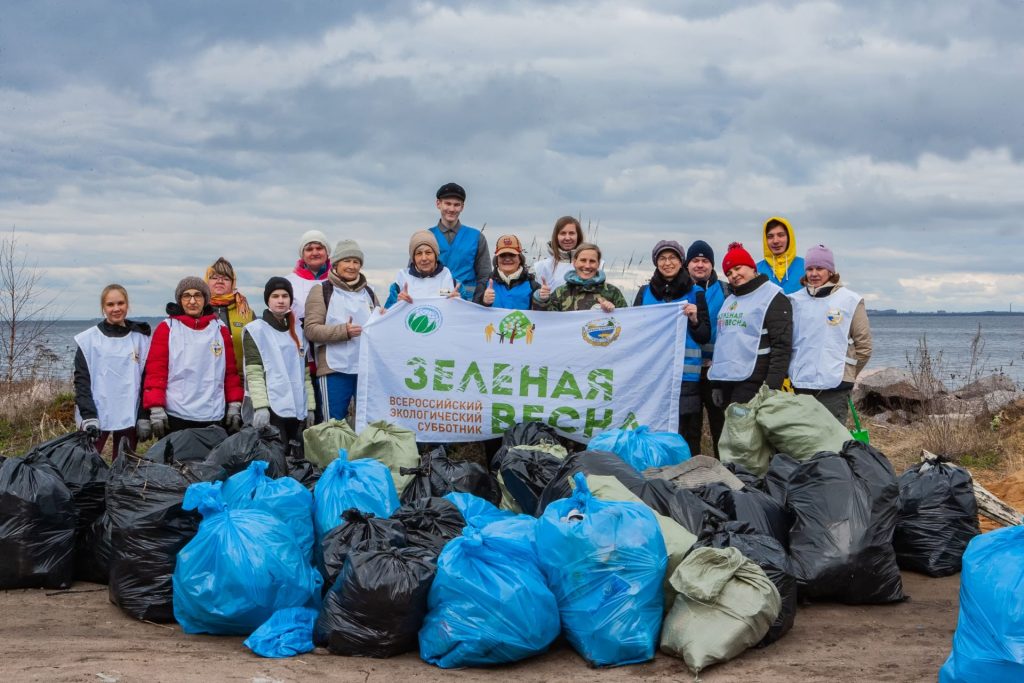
154,387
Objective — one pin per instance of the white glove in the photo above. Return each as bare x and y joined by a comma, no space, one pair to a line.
144,430
310,418
91,427
261,418
158,420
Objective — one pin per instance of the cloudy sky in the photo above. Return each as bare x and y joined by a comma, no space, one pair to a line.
141,140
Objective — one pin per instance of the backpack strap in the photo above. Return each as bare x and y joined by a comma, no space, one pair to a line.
328,289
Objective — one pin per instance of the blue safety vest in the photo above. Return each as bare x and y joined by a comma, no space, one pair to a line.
691,351
715,297
460,257
517,296
790,283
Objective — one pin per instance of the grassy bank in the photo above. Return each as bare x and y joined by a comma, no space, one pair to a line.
32,411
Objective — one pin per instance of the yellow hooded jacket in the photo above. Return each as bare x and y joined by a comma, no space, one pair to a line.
786,269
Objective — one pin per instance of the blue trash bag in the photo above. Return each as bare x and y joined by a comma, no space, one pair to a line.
605,562
489,603
477,511
239,569
364,484
286,634
642,448
285,498
988,644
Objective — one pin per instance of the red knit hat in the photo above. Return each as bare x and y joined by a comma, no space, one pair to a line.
737,256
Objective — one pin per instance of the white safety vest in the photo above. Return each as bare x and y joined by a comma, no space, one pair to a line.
436,287
300,289
344,356
740,326
283,367
821,338
115,375
195,371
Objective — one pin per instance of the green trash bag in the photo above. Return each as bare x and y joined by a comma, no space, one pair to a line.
390,444
742,440
678,540
799,425
726,604
322,442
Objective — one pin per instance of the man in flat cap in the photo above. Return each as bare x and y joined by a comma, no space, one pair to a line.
463,249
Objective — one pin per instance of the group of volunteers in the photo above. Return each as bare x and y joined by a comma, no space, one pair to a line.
212,361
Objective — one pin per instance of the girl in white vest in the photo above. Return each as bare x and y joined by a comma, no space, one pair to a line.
425,277
191,377
754,333
108,375
565,238
276,376
336,311
831,334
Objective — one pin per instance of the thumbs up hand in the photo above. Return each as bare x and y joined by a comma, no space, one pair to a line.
353,329
489,294
404,294
544,293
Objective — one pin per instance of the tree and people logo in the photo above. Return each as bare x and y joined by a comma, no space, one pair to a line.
424,320
513,326
601,332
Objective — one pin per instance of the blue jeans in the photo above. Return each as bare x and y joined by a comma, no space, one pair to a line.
337,390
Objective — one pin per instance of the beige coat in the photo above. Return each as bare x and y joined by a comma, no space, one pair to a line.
315,326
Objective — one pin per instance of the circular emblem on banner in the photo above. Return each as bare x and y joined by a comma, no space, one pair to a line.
834,316
424,320
601,332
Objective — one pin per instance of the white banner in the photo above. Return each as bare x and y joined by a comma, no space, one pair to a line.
451,370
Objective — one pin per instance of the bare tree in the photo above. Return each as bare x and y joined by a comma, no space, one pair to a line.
26,314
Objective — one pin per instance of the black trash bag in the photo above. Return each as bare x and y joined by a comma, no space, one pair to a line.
844,509
234,454
92,563
430,522
148,529
304,472
601,463
768,554
682,505
937,518
762,512
437,476
37,525
187,445
525,473
377,605
361,531
743,474
524,434
776,480
85,474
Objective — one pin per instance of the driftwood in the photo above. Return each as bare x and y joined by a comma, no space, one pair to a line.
989,504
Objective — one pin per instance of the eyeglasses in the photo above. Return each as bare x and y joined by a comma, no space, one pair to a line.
219,278
197,296
664,258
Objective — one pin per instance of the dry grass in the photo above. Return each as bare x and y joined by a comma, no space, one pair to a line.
32,411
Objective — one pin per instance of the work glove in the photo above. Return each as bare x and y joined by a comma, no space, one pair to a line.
233,418
718,398
91,427
260,417
143,429
158,420
310,419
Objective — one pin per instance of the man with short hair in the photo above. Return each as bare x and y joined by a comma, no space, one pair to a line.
781,264
463,249
700,264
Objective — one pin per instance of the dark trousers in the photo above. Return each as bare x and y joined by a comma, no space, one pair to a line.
691,426
175,424
133,441
833,399
290,429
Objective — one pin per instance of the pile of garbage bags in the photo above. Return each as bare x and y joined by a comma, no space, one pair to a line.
374,545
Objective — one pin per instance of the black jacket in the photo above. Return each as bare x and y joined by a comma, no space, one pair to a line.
82,378
772,367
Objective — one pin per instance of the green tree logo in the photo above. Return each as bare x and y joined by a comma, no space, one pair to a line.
513,326
424,320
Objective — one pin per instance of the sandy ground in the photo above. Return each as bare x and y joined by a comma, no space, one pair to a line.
79,636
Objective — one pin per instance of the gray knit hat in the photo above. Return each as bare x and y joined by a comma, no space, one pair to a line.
421,237
312,236
346,249
191,282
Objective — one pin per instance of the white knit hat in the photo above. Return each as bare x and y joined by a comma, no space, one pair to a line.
313,236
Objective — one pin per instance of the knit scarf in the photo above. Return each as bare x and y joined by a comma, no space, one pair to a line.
509,279
670,290
232,297
303,271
